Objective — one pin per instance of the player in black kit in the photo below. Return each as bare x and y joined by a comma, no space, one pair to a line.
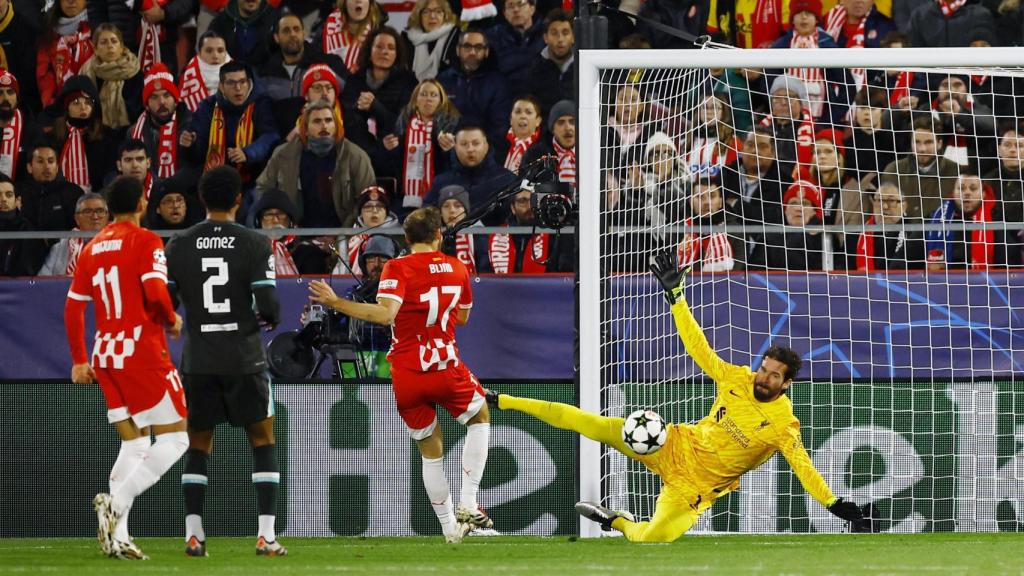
216,269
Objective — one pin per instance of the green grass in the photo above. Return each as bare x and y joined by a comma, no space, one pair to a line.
911,554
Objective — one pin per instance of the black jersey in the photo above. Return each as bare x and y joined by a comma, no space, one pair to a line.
219,271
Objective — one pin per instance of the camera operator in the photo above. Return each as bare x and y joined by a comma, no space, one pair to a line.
529,253
372,340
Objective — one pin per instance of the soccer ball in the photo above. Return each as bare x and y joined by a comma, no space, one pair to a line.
644,432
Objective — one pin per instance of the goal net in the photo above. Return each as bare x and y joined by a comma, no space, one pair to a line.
863,207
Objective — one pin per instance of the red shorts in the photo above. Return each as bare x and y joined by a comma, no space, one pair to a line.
147,396
417,394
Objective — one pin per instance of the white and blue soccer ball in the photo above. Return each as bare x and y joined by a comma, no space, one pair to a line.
644,431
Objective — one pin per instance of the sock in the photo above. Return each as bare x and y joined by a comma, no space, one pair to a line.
130,455
159,459
440,496
266,479
194,480
604,429
474,457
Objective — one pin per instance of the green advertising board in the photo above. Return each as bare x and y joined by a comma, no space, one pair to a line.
347,467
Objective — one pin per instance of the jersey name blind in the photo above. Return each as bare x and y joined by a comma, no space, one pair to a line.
431,288
214,268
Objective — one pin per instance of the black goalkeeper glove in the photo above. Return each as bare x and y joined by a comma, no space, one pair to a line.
846,510
663,266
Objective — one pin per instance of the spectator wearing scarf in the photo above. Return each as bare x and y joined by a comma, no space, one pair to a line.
201,76
972,201
63,51
118,77
162,122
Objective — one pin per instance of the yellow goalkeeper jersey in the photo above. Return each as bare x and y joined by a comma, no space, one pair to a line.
738,435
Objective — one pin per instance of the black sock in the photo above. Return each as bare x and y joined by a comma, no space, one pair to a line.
265,478
194,480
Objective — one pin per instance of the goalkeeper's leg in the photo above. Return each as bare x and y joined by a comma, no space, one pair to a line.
604,429
673,516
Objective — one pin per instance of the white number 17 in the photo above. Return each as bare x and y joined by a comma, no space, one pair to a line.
432,298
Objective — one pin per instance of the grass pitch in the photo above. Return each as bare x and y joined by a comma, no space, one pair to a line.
873,555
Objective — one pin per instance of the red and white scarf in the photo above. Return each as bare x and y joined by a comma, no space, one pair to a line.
72,51
73,161
339,41
503,254
566,162
767,24
950,8
804,136
901,89
355,243
284,265
813,78
11,146
418,163
712,251
707,152
518,147
149,37
166,149
866,249
835,22
193,89
464,251
983,242
75,246
147,186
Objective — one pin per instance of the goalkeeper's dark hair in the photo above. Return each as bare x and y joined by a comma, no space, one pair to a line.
123,195
219,188
422,224
787,356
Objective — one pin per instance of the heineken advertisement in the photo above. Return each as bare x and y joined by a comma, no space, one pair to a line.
930,456
348,467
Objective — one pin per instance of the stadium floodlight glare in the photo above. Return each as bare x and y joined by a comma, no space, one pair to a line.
911,394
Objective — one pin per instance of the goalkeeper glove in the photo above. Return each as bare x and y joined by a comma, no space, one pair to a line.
846,510
663,266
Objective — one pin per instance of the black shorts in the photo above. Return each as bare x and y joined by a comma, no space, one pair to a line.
238,399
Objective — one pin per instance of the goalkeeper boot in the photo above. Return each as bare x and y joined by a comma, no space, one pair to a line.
107,519
195,547
264,548
475,518
127,550
602,515
492,398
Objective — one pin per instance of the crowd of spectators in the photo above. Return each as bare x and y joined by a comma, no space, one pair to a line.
333,118
336,119
843,148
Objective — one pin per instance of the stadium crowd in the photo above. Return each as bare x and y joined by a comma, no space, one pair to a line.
335,119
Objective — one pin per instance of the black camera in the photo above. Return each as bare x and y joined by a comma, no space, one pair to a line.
552,204
299,353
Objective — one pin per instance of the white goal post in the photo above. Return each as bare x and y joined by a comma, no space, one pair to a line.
982,483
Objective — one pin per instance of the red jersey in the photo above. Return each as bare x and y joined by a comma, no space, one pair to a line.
124,272
431,287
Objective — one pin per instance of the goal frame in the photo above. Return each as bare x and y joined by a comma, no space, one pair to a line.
591,63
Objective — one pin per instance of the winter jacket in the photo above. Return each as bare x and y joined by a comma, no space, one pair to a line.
922,192
49,205
875,28
483,182
389,98
19,257
248,39
688,16
128,21
278,84
928,28
550,82
515,52
482,97
19,42
265,135
352,174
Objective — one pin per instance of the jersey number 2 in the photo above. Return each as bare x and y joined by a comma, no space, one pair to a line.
431,297
219,278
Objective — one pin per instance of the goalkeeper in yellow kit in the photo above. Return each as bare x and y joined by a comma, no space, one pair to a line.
750,420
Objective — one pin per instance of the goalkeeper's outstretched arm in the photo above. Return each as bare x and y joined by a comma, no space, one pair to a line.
792,449
664,267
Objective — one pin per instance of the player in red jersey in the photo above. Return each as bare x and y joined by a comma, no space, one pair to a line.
123,270
424,295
